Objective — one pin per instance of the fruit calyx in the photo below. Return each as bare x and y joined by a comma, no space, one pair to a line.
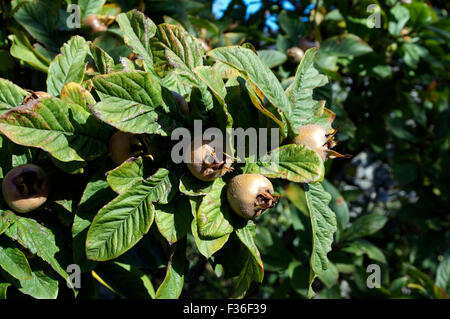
263,202
204,163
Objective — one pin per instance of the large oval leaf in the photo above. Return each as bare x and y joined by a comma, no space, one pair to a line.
126,175
11,95
40,286
262,80
120,224
172,286
213,214
68,66
132,102
65,130
176,52
296,163
207,247
323,224
39,240
300,92
173,219
137,32
13,261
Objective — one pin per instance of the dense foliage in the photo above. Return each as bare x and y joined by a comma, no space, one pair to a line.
146,228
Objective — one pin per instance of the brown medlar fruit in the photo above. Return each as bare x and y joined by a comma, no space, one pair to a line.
25,188
250,195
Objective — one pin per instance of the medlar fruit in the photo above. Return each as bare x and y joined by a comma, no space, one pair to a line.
25,188
95,23
306,44
250,195
204,163
316,137
295,54
122,146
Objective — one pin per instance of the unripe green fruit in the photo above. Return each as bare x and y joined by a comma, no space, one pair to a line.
203,162
250,195
315,137
25,188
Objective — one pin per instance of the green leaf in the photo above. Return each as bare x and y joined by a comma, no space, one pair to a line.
424,280
13,261
300,92
253,269
65,130
22,49
126,175
212,79
126,280
296,163
297,196
443,273
420,14
102,60
40,286
191,186
330,276
75,93
132,102
401,15
323,224
207,247
361,246
69,66
262,80
11,95
3,288
250,272
120,224
173,219
273,251
299,278
96,194
176,52
365,226
291,25
172,285
344,45
41,19
39,240
337,204
412,53
246,234
138,31
272,58
6,219
88,7
213,214
205,23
